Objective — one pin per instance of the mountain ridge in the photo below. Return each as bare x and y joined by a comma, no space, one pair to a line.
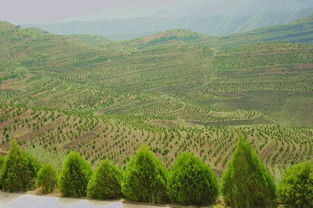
213,18
298,31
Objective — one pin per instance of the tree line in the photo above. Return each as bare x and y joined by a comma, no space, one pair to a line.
246,182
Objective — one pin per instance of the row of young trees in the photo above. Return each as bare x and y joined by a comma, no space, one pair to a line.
246,182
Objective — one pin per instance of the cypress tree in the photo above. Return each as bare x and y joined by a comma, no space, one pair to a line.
74,176
105,182
47,178
296,186
19,170
145,178
247,183
192,182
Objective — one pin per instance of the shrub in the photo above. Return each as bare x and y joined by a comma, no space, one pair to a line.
296,187
19,170
47,178
192,182
74,176
246,182
105,183
145,178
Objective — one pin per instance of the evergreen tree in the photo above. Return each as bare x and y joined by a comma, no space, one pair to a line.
192,182
247,183
74,176
296,187
105,183
19,170
145,178
47,178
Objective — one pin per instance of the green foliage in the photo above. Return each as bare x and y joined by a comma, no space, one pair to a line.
75,176
19,170
1,163
105,183
145,178
47,178
192,182
246,183
296,187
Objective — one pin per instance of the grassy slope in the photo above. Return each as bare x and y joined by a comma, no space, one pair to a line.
165,90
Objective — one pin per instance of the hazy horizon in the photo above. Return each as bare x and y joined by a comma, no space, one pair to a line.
47,11
127,19
44,11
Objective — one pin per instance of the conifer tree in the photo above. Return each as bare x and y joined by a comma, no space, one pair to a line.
75,176
105,182
296,186
47,178
145,178
247,183
192,182
19,170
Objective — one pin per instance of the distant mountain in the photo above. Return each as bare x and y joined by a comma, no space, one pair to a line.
165,37
96,40
217,17
300,31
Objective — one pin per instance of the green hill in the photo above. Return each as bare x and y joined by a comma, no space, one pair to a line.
169,75
174,91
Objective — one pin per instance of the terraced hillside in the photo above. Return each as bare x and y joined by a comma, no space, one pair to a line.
50,134
173,91
159,76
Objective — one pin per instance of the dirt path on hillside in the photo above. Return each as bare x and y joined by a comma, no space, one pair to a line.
9,200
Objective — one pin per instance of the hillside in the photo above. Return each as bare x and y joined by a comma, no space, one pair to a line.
168,77
169,90
50,135
300,31
165,37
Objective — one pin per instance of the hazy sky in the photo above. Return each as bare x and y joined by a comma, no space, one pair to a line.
25,11
45,11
